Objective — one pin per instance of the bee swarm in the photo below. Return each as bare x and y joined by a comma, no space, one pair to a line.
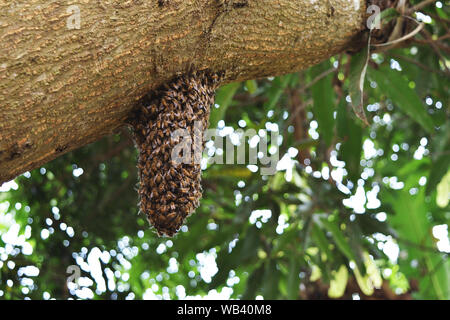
169,191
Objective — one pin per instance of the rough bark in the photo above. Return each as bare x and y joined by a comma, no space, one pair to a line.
62,88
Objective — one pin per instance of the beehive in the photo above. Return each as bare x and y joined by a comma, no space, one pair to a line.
170,191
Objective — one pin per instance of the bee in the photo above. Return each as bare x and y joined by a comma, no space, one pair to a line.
182,200
170,196
145,111
172,216
153,109
191,96
184,190
161,218
215,77
173,172
146,171
185,172
165,103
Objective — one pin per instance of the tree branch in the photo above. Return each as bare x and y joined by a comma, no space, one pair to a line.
71,74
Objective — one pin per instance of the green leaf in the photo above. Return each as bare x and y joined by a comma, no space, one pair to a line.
412,225
364,282
442,13
372,279
350,134
253,283
324,99
271,276
338,283
244,251
396,88
321,241
276,90
441,163
293,278
339,238
388,14
250,244
443,191
358,69
437,279
251,86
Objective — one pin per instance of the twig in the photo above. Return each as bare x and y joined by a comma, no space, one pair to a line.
419,6
421,65
435,48
418,246
436,42
317,79
405,37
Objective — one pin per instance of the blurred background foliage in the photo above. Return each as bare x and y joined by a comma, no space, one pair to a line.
354,211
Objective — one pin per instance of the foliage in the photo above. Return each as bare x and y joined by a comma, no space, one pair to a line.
349,200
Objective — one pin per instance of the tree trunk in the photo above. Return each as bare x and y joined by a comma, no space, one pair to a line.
71,71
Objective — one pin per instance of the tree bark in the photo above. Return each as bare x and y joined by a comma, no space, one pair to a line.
64,85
